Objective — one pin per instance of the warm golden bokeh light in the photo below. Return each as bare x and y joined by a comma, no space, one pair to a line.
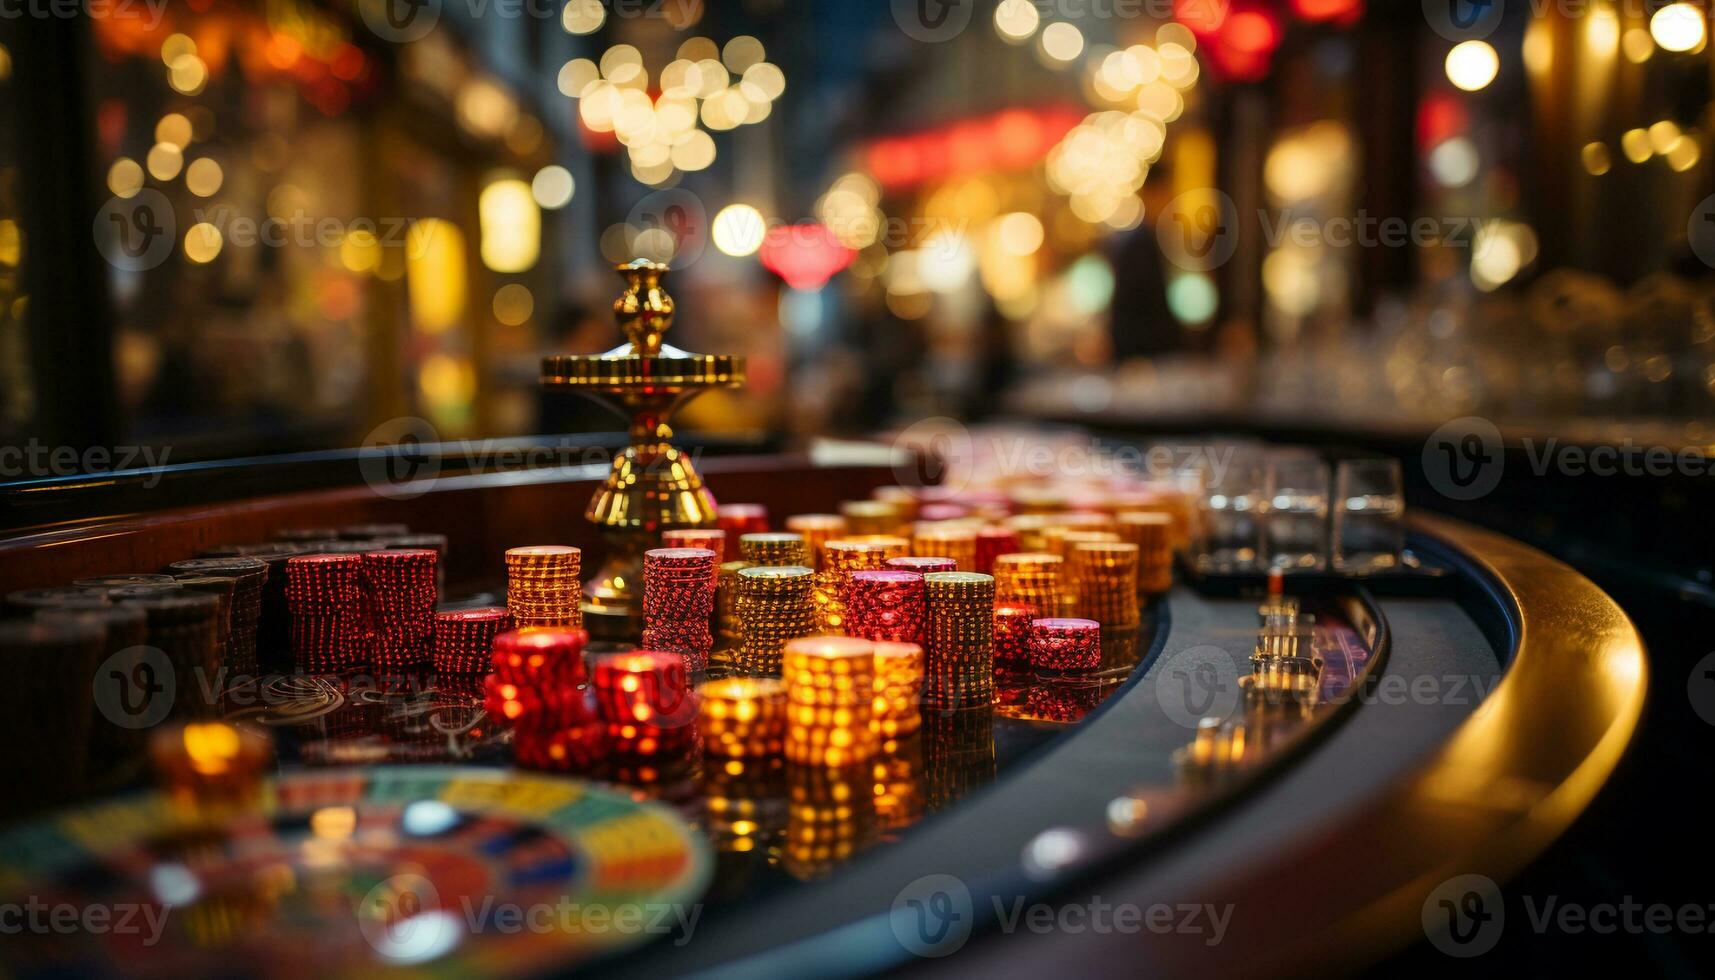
552,187
738,230
204,177
165,161
1472,65
202,242
125,177
1678,27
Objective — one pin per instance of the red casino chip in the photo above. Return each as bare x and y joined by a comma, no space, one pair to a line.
992,542
1013,628
886,604
1071,645
464,639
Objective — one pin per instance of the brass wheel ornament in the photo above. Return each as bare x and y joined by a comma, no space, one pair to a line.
652,486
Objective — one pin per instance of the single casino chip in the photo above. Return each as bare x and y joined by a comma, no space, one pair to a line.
1069,645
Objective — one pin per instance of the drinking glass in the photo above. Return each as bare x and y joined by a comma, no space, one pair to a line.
1369,515
1231,533
1295,513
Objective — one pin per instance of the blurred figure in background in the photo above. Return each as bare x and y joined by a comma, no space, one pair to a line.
1140,321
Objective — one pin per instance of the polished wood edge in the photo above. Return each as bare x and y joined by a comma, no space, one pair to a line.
1516,773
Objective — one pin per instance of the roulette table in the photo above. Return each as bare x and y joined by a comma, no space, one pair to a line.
1177,806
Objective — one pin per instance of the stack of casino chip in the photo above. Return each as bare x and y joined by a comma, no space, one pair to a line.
1066,645
1152,532
742,717
905,500
844,556
830,695
818,530
1106,576
306,535
123,581
727,622
401,587
1031,578
537,678
955,541
898,687
330,615
226,591
372,532
1061,540
645,703
1030,529
923,564
711,538
774,608
27,601
886,604
46,712
959,668
873,517
1012,631
123,629
543,588
774,548
942,510
183,626
434,542
250,576
992,542
464,639
538,686
678,601
153,589
741,519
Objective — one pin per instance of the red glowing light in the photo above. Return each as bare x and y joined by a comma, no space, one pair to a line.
806,256
1201,16
1342,12
1251,32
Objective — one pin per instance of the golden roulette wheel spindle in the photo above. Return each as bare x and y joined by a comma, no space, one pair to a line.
652,486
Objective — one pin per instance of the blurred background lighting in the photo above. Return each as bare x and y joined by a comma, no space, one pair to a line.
738,230
1472,65
511,226
1678,27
